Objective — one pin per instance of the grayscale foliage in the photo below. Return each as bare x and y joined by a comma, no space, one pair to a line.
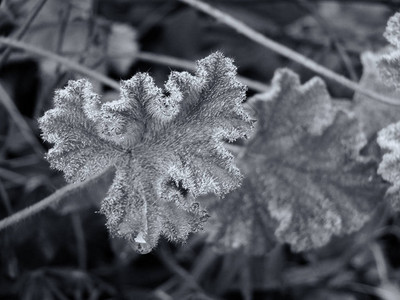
167,146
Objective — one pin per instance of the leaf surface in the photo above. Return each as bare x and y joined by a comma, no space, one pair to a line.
389,63
305,180
167,146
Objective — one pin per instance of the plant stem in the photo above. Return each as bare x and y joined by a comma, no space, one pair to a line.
169,261
54,198
145,56
6,199
188,65
64,61
80,240
23,29
19,121
257,37
310,8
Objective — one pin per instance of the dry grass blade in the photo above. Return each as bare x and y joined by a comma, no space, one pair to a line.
285,51
19,121
53,199
23,29
62,60
188,65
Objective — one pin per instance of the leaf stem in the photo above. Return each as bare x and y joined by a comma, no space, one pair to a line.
257,37
54,198
62,60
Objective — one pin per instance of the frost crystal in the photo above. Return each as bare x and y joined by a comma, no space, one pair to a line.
304,178
167,150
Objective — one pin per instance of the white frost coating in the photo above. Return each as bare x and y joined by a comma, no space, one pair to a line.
167,150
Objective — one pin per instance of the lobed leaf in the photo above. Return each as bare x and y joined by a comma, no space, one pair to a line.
389,63
305,180
389,140
167,146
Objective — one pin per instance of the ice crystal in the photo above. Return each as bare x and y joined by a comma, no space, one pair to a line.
305,180
166,146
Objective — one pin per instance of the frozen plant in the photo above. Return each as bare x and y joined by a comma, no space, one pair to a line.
305,180
166,146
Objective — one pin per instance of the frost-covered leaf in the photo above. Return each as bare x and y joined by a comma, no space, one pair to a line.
167,146
389,63
305,180
375,115
389,141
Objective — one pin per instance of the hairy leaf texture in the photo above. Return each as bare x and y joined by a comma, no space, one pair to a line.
389,63
304,178
166,146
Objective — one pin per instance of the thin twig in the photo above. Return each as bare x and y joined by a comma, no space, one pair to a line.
333,37
166,60
154,18
285,51
6,199
64,16
189,65
22,161
19,121
64,61
54,198
12,176
23,29
205,259
162,295
169,261
59,78
80,240
380,262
